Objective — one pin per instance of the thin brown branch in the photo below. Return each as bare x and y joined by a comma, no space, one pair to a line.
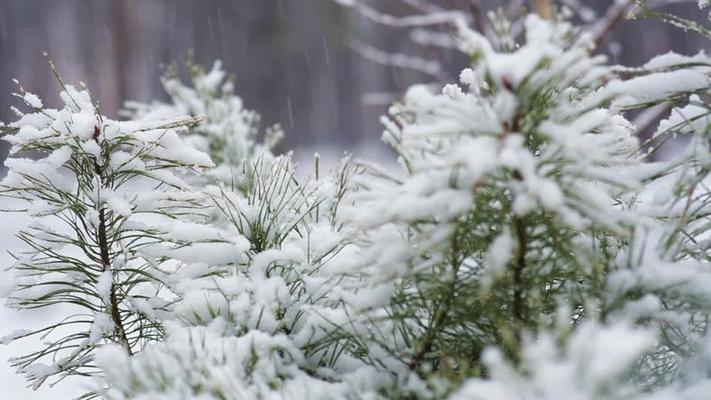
441,312
478,14
543,8
519,267
427,341
106,264
610,20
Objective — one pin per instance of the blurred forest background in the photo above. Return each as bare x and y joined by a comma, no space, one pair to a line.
293,59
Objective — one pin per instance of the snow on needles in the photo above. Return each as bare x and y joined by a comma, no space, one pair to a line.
525,249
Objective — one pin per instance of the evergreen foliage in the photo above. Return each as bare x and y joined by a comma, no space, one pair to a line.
93,182
529,246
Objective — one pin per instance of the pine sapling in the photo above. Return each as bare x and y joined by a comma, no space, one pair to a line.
92,188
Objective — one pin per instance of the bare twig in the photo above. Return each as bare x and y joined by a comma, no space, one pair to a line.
399,60
608,22
443,17
423,6
587,14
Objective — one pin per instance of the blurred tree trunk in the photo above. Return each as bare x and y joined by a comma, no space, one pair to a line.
543,8
121,45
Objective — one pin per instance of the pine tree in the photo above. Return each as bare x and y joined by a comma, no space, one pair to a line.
92,190
529,247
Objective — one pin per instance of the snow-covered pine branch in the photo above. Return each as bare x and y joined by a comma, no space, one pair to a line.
90,189
261,326
519,208
227,131
261,311
527,248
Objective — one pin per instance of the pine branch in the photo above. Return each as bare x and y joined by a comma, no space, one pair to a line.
83,182
518,278
106,260
609,21
442,310
106,266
